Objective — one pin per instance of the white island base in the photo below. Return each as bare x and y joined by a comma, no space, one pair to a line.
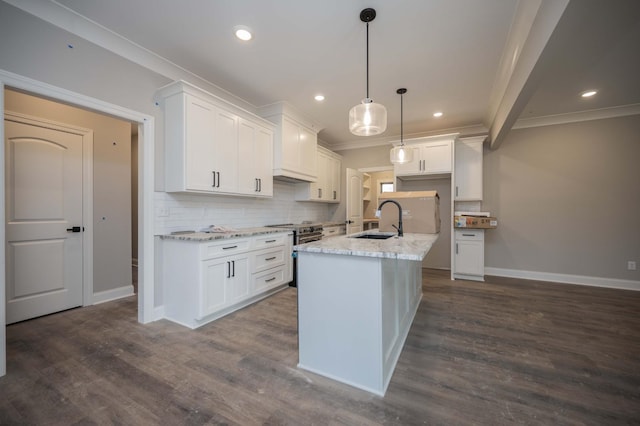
354,314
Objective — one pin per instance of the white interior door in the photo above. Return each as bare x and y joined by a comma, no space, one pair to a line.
44,257
354,201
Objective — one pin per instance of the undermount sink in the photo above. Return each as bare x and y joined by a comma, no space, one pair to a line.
376,236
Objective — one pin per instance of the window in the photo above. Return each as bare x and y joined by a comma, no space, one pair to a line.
386,187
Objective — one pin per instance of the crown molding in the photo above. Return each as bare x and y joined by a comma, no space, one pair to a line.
474,130
74,23
575,117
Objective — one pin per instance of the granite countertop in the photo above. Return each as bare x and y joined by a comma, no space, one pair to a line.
236,233
409,247
329,224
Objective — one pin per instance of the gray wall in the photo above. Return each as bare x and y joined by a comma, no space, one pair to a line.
111,219
567,199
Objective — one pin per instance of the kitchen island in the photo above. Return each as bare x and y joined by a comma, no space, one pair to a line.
357,298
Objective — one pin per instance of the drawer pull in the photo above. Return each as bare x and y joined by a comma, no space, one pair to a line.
270,258
229,247
270,241
270,279
468,235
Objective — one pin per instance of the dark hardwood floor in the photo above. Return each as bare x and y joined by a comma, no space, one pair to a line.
500,352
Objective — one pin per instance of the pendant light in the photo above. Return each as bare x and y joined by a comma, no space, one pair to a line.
368,118
401,154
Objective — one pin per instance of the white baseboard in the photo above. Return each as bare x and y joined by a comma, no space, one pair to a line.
158,313
565,278
113,294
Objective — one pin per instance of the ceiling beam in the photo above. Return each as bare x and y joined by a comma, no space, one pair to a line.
522,64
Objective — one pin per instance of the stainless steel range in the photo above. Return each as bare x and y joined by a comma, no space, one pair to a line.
304,232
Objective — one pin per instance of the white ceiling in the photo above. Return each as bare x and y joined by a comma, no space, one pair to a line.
447,53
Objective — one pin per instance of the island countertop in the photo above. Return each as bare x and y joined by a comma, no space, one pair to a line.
409,247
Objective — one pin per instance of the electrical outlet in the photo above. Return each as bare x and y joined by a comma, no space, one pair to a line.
163,212
631,265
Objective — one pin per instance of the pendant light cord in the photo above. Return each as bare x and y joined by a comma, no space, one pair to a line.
367,60
401,121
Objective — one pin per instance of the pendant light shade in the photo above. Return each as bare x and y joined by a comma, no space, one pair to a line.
401,154
368,118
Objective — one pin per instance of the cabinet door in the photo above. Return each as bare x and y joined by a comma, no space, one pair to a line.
468,171
237,279
226,152
469,252
255,159
224,281
335,172
413,167
247,178
213,290
437,157
263,154
469,258
199,143
319,190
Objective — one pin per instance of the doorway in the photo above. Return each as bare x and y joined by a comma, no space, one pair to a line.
146,125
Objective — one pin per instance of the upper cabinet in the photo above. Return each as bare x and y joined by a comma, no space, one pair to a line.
295,142
430,157
468,170
212,146
326,188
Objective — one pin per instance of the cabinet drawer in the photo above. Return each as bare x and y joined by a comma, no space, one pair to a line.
223,248
469,235
331,231
268,279
266,259
270,240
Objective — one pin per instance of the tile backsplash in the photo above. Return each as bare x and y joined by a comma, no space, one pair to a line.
178,211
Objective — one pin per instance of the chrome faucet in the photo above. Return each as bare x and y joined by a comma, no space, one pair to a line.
399,227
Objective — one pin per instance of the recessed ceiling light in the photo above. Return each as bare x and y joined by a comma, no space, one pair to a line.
588,93
319,98
437,114
243,33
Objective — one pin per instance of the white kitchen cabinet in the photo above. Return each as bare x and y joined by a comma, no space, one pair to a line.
468,169
255,143
224,282
204,281
468,260
295,142
430,157
326,188
212,146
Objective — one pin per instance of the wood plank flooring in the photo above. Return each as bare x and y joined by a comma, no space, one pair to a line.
500,352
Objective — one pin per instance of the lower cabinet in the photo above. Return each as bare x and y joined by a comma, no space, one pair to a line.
224,282
469,254
204,281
